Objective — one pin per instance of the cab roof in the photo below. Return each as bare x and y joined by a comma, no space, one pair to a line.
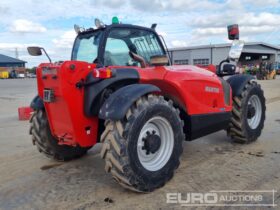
107,27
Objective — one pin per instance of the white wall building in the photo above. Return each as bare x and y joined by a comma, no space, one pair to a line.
252,53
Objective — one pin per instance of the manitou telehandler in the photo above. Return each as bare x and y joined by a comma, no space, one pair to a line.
120,89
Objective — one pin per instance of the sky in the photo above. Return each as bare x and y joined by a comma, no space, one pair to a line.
49,23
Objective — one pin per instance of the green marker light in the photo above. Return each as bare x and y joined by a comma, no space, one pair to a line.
115,20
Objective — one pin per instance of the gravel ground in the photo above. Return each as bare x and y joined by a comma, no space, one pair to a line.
28,180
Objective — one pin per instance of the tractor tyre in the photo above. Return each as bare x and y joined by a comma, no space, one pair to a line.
48,144
143,150
248,114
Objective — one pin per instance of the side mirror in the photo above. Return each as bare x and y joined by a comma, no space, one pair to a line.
37,51
34,51
225,68
159,60
228,69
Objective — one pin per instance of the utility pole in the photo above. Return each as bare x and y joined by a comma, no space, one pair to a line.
16,52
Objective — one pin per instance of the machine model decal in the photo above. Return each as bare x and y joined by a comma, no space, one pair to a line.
212,89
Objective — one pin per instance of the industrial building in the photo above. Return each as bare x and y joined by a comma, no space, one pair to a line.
252,54
9,64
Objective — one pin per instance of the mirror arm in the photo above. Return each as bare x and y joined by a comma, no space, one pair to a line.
46,54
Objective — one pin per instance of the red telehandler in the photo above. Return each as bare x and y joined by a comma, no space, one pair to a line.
120,89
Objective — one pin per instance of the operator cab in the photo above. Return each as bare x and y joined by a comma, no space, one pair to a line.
120,45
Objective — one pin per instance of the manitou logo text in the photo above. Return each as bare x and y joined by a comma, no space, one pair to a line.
212,89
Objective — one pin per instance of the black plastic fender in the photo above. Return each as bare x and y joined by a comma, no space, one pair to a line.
116,106
237,83
93,98
37,103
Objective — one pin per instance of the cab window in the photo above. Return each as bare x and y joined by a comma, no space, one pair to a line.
116,53
86,47
122,40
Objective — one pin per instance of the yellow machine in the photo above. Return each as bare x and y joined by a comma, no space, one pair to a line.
266,72
271,74
4,75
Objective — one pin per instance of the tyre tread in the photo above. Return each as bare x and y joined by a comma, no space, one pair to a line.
237,130
115,160
47,144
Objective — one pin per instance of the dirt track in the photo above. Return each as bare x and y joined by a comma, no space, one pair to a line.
28,180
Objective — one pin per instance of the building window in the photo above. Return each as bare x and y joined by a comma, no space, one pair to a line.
264,57
181,62
203,62
247,58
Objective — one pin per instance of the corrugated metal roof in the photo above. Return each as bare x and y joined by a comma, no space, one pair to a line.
223,45
8,59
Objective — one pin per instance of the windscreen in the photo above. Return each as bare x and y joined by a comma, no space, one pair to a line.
86,47
121,41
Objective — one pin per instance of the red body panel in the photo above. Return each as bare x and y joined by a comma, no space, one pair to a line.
66,116
210,67
197,91
190,86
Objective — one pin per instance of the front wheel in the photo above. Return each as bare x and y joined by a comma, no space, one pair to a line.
142,150
248,114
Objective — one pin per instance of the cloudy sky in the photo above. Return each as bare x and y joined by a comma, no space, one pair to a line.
182,22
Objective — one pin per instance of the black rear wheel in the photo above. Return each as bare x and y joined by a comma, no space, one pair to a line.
48,144
142,151
248,114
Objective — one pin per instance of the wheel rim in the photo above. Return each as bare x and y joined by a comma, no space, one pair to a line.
161,127
255,102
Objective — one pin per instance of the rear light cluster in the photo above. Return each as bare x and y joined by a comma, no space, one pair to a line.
103,73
